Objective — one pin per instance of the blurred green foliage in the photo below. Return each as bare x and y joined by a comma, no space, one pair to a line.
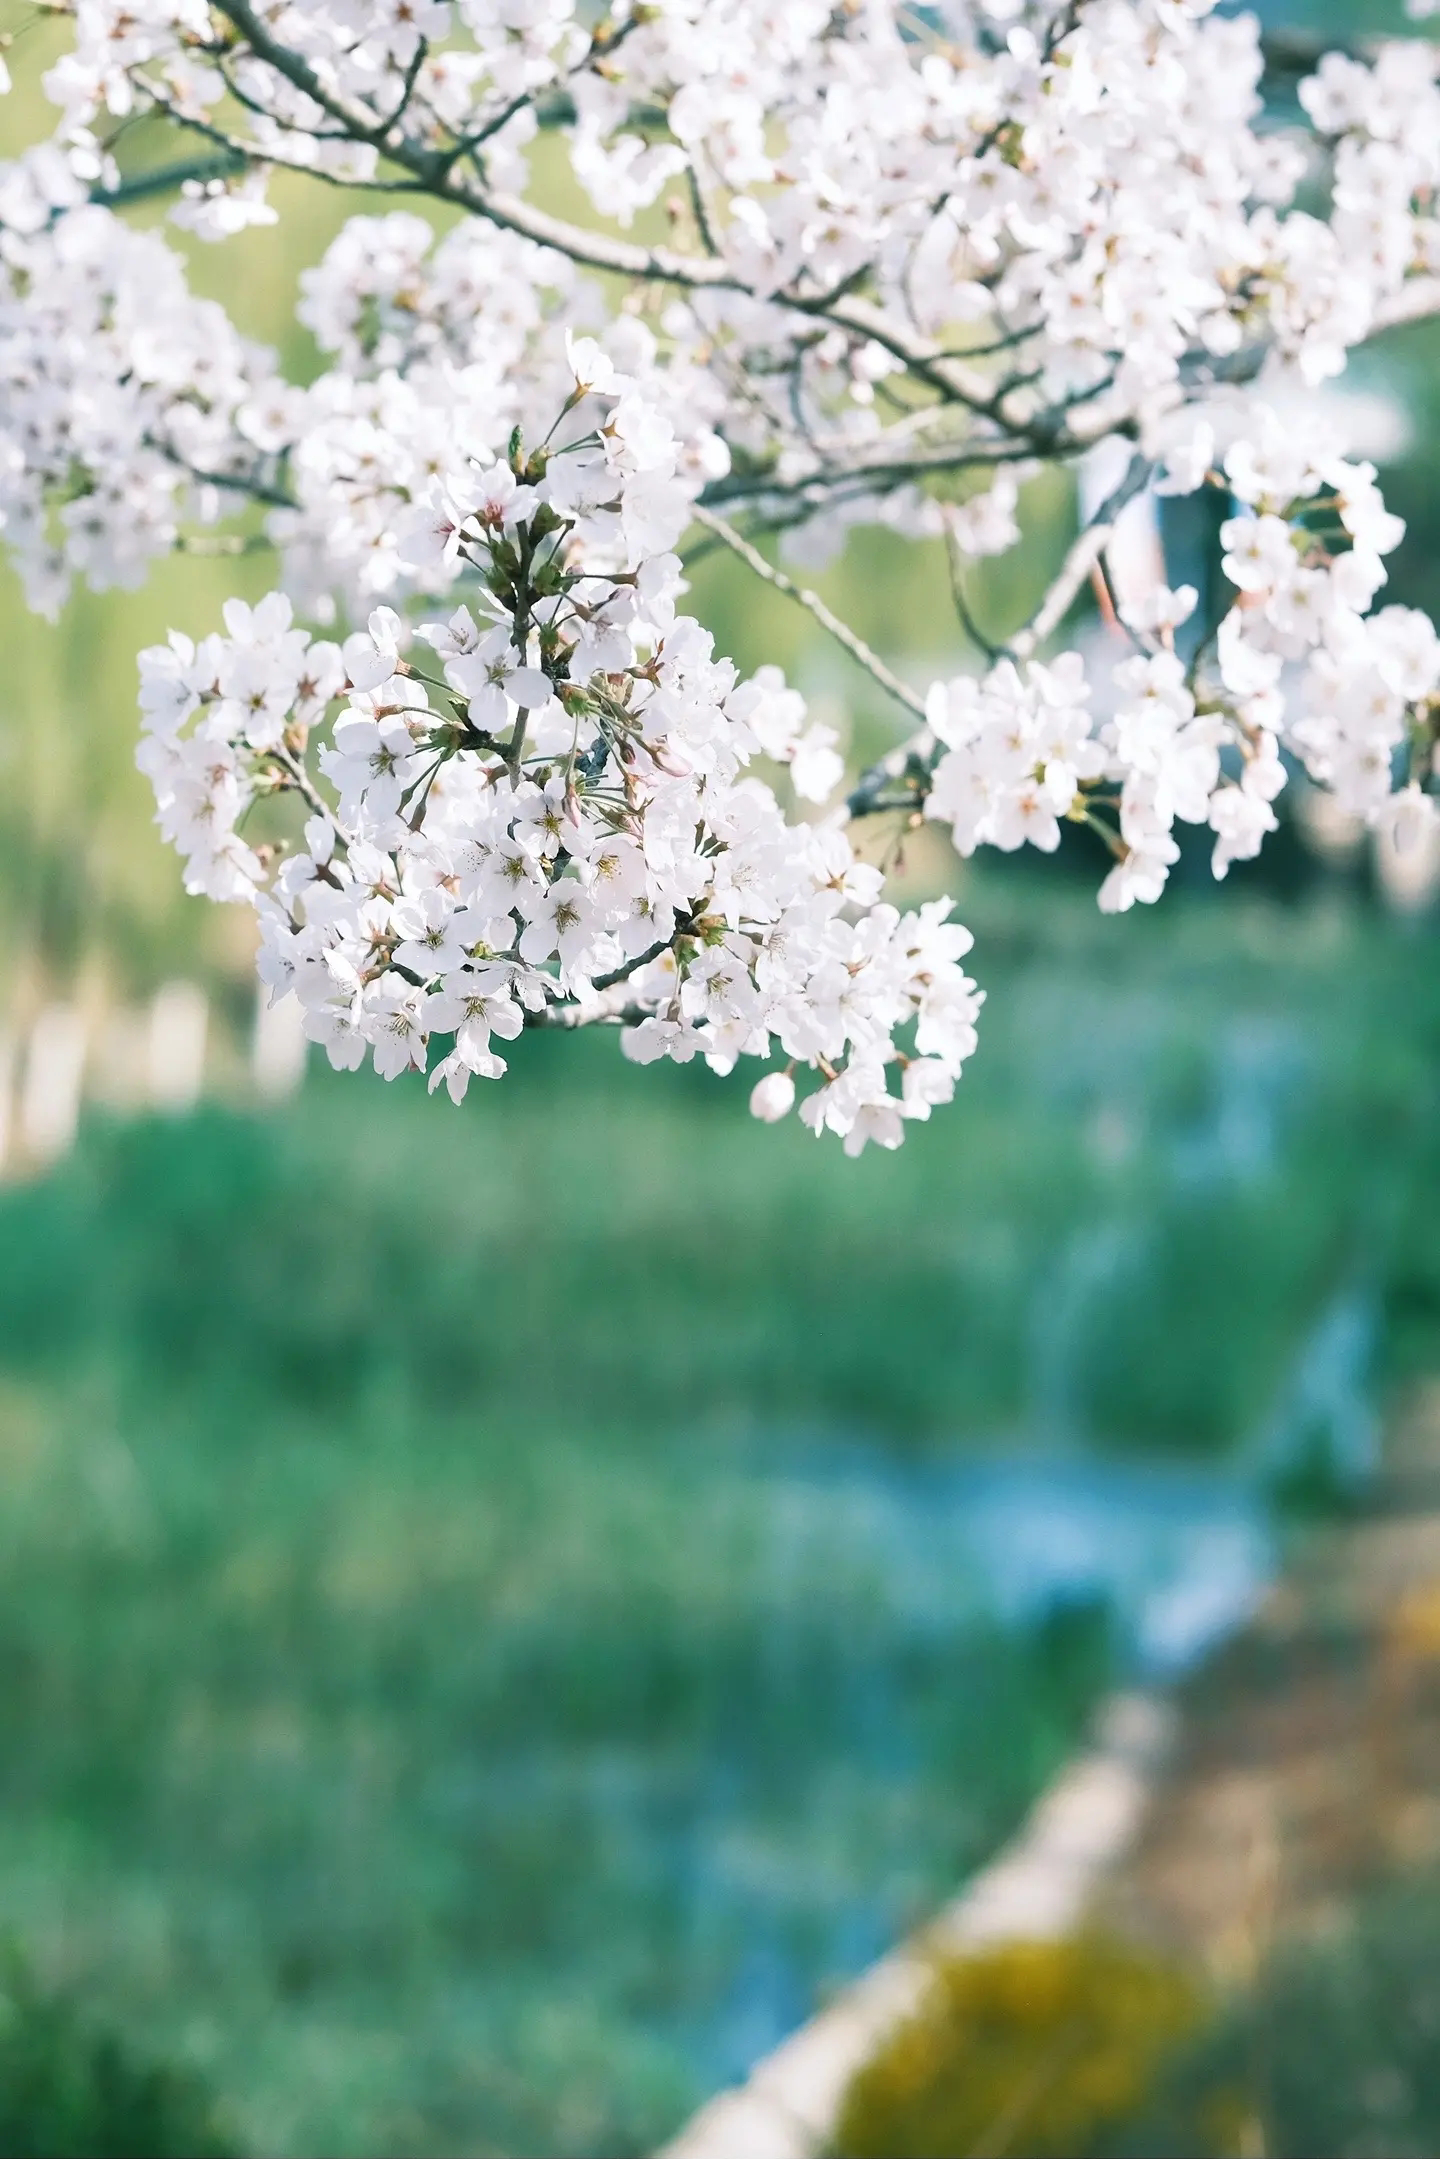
70,2090
1333,2051
448,1697
1242,1098
425,1762
1340,2041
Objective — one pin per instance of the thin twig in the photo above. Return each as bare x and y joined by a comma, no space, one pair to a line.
221,543
237,483
301,781
857,648
572,1015
744,486
971,627
1081,560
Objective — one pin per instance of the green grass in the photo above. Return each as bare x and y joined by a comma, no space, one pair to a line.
448,1703
68,2086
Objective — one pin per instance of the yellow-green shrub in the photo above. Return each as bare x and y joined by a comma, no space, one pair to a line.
1035,2048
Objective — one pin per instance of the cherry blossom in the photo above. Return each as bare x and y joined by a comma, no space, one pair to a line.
469,762
531,838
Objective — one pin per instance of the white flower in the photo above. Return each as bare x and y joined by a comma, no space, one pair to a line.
561,921
494,679
497,501
373,761
430,539
431,933
393,1021
986,524
816,766
588,364
1241,819
1259,552
372,654
772,1097
927,1084
1161,612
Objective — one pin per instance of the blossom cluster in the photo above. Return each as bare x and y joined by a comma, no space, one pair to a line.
911,258
904,247
556,817
441,351
124,400
1299,664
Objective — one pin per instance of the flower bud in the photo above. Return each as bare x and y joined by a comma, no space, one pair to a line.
773,1097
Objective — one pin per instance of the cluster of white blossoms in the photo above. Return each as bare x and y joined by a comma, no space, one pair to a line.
442,351
123,398
554,812
895,262
1299,663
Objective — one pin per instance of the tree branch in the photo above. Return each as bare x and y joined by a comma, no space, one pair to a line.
605,1008
165,179
300,780
909,763
597,251
748,488
1417,299
596,1015
238,483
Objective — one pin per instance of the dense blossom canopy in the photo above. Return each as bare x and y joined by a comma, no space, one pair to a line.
912,255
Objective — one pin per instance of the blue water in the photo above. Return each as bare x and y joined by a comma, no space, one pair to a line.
912,1562
1177,1557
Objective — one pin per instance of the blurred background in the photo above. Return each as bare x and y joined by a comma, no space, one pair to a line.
503,1609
